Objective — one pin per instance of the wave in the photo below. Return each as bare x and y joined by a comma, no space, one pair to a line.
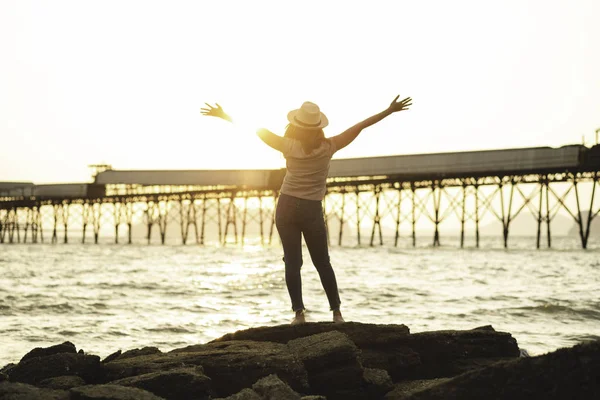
61,307
586,313
170,329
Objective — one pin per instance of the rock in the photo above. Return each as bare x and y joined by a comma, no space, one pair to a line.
236,365
572,373
440,354
360,333
376,383
317,352
66,347
112,357
273,388
22,391
111,392
139,352
313,398
331,361
404,355
176,384
62,382
134,366
244,394
267,388
34,370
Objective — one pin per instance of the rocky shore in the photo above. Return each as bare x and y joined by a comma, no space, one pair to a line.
348,361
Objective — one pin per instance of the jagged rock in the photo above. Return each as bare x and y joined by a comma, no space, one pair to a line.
22,391
134,366
313,398
3,377
111,392
439,354
571,373
144,351
376,382
34,370
244,394
66,347
177,384
331,360
111,357
360,333
233,366
404,355
273,388
62,382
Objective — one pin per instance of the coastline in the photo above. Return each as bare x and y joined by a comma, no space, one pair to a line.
313,361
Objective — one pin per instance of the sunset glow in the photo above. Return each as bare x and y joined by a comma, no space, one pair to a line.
122,82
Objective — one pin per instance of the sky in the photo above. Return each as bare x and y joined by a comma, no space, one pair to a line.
122,82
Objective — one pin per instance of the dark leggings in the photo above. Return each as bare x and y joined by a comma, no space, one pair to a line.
296,217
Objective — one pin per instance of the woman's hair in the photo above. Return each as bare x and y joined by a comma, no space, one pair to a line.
309,138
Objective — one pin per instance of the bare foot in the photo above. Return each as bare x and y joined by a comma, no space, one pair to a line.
299,318
337,317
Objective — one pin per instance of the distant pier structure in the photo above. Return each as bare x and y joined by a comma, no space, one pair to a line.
402,194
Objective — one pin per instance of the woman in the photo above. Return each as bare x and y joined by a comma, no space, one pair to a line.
299,209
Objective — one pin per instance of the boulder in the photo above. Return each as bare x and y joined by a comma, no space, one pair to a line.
111,392
331,361
232,366
424,355
111,357
571,373
139,352
35,370
361,334
22,391
134,366
236,365
66,347
376,383
440,354
273,388
267,388
188,383
62,382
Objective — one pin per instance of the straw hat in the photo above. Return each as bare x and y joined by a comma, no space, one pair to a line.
308,116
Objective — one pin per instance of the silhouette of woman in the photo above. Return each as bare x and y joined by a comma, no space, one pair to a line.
299,209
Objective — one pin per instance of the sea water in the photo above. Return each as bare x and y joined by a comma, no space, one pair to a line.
108,297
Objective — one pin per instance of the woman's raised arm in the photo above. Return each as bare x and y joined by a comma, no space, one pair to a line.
345,138
271,139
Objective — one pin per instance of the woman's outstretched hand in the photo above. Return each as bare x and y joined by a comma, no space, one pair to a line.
216,111
396,105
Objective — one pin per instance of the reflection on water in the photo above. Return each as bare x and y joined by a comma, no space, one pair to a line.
109,297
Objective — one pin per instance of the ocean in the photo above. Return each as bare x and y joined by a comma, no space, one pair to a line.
108,297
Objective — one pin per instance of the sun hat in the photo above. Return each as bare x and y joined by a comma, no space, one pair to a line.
308,116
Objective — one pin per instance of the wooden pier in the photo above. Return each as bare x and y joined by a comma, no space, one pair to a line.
365,196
